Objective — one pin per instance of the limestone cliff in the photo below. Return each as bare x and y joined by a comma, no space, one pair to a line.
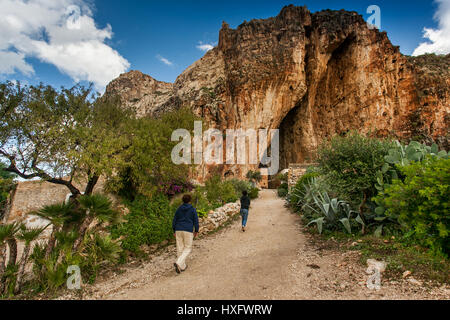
312,75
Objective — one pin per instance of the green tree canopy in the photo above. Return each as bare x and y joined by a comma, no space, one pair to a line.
148,166
5,174
60,136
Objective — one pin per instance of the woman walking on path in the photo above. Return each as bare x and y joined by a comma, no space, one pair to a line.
185,226
245,206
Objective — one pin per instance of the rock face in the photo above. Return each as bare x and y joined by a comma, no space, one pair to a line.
311,76
141,93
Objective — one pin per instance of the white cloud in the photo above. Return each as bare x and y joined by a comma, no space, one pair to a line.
164,60
439,39
12,61
62,33
205,46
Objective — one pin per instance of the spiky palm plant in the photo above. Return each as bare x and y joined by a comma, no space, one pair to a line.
65,243
108,250
57,214
7,233
94,206
28,236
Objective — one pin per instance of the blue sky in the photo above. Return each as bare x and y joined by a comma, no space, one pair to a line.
115,35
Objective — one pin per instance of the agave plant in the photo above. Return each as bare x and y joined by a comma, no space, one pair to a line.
333,212
301,197
28,236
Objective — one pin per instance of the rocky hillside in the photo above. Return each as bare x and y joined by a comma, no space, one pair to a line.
312,75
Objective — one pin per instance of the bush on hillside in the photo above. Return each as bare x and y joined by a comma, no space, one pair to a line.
421,202
351,165
149,222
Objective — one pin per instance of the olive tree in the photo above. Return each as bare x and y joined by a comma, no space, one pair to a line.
61,136
148,167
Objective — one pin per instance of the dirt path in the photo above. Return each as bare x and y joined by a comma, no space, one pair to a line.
274,259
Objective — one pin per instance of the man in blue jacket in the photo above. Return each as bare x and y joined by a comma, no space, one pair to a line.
185,226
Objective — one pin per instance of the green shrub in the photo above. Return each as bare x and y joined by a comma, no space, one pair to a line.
306,178
229,193
98,250
50,273
284,185
149,222
240,185
254,176
202,214
351,165
220,192
420,202
403,155
6,185
213,189
282,177
253,193
200,201
282,192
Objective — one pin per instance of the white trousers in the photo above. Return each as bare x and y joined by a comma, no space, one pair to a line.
184,247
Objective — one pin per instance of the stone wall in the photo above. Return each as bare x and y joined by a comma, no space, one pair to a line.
34,195
264,183
296,170
219,217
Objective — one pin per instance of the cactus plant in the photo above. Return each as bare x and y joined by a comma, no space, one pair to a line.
403,155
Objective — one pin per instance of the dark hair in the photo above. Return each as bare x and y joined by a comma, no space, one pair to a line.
187,198
244,193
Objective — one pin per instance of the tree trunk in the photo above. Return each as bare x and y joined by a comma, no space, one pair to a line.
90,185
12,244
2,266
23,263
9,201
83,228
50,244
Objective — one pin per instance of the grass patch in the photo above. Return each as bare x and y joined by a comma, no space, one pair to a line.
399,255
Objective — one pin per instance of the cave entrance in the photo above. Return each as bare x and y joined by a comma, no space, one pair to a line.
291,137
292,149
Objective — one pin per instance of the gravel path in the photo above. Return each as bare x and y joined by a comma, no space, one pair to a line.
274,259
